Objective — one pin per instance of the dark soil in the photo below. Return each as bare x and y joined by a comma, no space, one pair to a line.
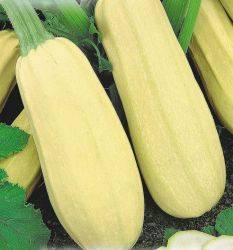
155,220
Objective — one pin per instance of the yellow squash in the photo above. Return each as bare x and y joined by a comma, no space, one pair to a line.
212,51
228,5
172,129
23,168
87,162
9,52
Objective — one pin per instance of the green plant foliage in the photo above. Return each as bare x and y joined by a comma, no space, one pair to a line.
209,230
182,15
21,226
12,140
168,233
224,222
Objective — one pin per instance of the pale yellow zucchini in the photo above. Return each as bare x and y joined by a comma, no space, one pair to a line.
9,52
212,51
87,162
172,129
228,5
23,168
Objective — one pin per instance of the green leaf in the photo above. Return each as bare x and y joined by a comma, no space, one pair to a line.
168,233
3,16
224,222
104,64
182,15
21,226
209,230
12,140
176,11
3,176
54,24
94,31
189,24
74,17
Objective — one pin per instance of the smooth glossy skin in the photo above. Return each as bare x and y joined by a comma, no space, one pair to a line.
172,129
212,51
23,168
9,51
89,168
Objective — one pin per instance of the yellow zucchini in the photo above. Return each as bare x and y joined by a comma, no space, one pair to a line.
9,51
87,162
172,129
23,168
89,168
212,51
228,5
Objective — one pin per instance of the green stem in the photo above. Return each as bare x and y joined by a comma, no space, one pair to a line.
75,17
26,23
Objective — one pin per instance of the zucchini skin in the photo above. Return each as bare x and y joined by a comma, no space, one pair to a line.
212,51
228,7
89,168
9,50
22,168
172,130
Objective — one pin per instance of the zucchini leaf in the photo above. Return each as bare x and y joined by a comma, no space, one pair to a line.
21,226
209,230
3,17
74,17
176,11
182,15
224,222
55,25
12,140
187,28
168,233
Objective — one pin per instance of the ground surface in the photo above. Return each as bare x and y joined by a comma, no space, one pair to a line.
155,220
